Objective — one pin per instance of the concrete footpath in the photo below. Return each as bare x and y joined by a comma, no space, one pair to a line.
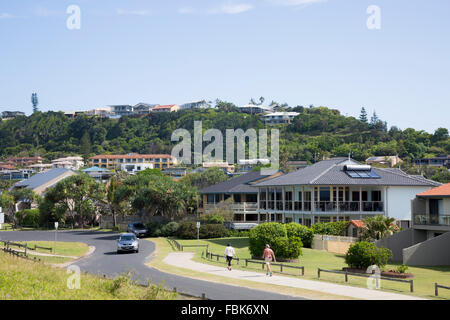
184,260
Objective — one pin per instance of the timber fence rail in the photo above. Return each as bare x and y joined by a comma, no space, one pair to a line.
180,247
21,254
281,265
210,255
437,286
377,277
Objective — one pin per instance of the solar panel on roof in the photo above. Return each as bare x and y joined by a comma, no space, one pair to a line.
362,174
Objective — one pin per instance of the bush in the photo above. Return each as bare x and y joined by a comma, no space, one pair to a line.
212,219
285,245
402,268
28,217
209,231
330,228
305,234
238,234
364,254
169,229
187,230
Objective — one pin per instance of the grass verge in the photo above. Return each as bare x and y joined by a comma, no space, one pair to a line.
26,280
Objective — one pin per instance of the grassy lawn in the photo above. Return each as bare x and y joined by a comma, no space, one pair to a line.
164,247
26,280
424,277
72,249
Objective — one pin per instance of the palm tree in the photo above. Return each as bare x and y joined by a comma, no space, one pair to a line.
378,227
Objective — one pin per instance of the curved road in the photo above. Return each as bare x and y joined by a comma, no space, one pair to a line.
105,261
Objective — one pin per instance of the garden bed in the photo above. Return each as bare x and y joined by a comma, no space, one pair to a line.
389,274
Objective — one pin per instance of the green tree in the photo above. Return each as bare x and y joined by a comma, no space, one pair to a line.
378,227
363,115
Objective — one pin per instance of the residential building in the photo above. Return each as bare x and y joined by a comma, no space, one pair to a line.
39,167
431,211
6,115
18,174
25,161
143,108
166,108
354,228
391,161
121,110
245,165
443,161
74,163
114,162
202,104
100,112
175,172
339,189
42,181
427,242
99,174
6,166
133,168
296,164
227,168
279,117
241,189
255,109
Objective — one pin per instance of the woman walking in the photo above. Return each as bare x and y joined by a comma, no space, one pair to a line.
229,254
268,256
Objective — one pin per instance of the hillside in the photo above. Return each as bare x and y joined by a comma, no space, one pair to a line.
314,134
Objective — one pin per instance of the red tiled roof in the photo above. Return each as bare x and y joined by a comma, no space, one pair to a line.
358,223
443,190
131,156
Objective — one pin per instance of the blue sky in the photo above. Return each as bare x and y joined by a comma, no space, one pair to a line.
301,52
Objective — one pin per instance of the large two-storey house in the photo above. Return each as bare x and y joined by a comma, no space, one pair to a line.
339,189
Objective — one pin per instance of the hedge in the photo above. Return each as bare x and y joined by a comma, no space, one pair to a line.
330,228
188,230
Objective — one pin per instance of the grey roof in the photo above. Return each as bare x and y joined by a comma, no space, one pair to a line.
240,184
41,178
331,172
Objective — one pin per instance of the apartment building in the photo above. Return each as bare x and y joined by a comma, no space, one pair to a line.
166,108
115,162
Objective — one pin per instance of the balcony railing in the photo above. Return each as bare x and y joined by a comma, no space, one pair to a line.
324,206
432,220
240,207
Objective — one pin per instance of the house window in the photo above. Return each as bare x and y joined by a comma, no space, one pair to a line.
376,195
237,198
210,198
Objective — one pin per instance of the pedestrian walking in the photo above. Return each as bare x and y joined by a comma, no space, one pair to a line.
229,254
268,256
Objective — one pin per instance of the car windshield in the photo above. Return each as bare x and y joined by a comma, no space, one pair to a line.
127,238
139,225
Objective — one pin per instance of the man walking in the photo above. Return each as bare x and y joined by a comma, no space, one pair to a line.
229,254
268,256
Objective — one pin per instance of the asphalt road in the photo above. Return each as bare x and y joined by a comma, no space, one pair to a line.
105,261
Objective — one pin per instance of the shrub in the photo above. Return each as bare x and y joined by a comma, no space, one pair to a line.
238,234
305,234
187,230
402,268
28,217
364,254
275,234
330,228
209,231
169,229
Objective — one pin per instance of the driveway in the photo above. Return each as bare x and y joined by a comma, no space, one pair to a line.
105,261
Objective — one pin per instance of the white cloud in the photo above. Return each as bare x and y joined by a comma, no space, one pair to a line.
295,2
230,8
186,10
6,16
132,12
